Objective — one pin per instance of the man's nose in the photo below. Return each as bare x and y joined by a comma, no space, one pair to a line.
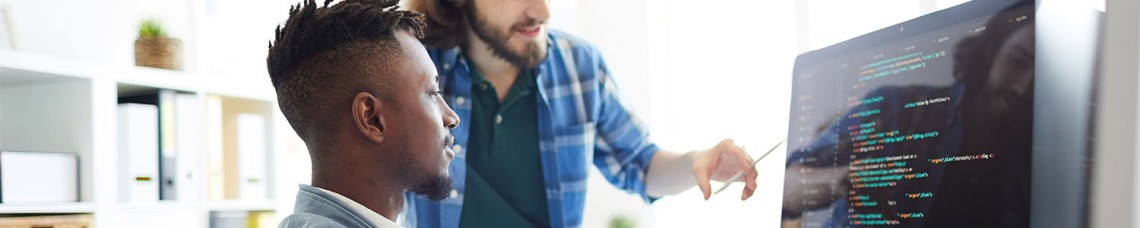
538,10
450,119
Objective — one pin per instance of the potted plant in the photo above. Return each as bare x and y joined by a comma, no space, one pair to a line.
622,221
155,49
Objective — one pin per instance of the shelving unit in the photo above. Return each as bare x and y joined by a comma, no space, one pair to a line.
60,105
71,62
242,206
48,208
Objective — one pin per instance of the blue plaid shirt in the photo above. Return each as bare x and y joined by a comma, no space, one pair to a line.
580,120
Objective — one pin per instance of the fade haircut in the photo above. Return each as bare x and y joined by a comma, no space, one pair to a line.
323,56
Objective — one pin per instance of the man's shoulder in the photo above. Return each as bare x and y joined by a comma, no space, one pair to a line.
302,219
572,40
573,43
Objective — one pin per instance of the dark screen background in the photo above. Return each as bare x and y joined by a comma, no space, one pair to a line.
927,131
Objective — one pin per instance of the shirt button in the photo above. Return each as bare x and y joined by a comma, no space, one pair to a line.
454,193
446,66
483,86
498,119
456,148
460,100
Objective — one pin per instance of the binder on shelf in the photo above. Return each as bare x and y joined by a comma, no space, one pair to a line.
243,219
38,177
251,141
238,148
262,219
167,160
229,219
138,152
179,139
215,133
187,149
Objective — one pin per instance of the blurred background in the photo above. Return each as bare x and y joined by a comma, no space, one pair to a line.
696,72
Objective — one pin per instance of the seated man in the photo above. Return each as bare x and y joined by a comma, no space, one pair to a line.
357,86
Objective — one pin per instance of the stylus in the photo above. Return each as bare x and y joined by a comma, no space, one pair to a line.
740,174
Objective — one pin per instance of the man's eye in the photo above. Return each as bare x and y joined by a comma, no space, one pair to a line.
437,93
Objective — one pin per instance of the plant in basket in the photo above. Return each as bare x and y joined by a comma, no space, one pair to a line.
155,49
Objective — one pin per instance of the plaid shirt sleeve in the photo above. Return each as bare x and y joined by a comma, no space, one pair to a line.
622,149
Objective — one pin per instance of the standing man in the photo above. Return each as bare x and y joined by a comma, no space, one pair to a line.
356,85
542,107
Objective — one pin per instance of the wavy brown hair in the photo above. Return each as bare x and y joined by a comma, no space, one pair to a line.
444,19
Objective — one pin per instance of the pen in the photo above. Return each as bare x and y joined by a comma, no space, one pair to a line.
740,174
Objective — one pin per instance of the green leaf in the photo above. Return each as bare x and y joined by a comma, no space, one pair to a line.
150,27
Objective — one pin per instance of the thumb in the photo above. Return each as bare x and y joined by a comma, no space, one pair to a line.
701,171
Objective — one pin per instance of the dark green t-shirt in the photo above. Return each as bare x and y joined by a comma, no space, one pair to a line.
504,174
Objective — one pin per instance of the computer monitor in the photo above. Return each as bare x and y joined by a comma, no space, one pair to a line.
973,116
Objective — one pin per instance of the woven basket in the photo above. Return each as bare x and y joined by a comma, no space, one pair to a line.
158,52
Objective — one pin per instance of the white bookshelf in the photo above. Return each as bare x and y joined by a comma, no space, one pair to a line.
48,208
60,105
19,67
163,207
242,206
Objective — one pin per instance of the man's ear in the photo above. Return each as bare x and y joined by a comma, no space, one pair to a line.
366,114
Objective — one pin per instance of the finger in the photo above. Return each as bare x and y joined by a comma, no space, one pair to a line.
728,141
744,160
701,171
749,184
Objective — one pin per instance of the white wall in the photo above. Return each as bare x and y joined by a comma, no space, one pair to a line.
724,74
698,73
232,35
59,27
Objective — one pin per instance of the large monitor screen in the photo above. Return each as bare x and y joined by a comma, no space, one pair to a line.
925,124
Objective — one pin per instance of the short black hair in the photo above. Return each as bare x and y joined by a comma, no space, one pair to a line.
321,58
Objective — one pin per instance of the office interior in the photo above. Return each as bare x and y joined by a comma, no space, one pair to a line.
695,72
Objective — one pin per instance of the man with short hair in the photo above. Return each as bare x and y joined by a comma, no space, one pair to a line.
542,107
357,86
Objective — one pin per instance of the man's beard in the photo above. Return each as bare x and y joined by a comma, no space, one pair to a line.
496,39
422,181
437,187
